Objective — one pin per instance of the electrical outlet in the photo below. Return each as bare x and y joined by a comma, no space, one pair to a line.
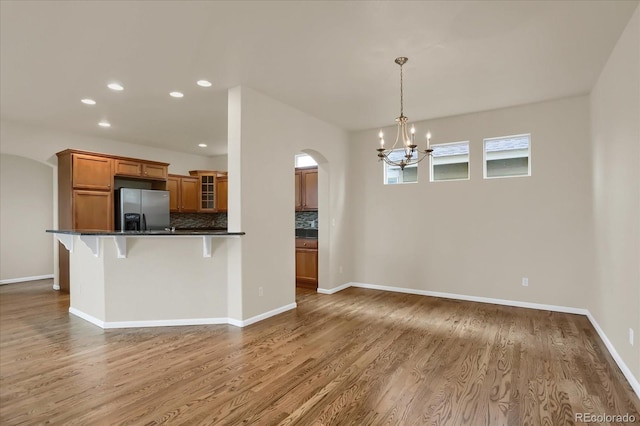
260,292
525,282
631,336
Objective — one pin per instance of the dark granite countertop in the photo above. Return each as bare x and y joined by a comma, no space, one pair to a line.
177,233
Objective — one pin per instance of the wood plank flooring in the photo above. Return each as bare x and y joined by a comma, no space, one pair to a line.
359,357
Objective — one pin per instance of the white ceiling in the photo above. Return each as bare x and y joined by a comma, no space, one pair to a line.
331,59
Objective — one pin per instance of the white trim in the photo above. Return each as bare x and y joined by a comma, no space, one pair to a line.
164,323
93,320
635,385
180,322
516,303
273,312
334,290
612,350
23,279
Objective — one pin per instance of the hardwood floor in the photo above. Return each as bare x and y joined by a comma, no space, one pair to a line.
358,357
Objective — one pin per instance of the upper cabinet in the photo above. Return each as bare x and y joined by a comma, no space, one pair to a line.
91,172
141,169
183,193
306,184
212,192
222,190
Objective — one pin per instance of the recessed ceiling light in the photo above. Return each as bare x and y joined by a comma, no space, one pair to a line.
203,83
88,101
202,145
176,94
104,124
115,86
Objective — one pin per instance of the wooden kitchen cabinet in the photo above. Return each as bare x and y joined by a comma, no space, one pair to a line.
212,192
183,193
91,172
307,262
86,192
222,193
306,189
92,209
140,169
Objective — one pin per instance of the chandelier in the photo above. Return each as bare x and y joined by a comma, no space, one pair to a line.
412,155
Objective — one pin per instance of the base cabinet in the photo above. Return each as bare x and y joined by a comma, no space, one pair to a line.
307,263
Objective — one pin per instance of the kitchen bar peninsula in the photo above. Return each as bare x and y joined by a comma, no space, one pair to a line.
148,278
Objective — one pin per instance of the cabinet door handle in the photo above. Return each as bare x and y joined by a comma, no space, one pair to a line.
304,244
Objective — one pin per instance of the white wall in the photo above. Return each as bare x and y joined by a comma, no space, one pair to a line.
25,213
42,144
219,163
480,237
615,127
264,136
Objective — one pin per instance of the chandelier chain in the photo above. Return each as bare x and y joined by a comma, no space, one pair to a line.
401,94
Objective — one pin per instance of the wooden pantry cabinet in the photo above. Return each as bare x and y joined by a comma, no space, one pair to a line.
306,189
86,183
183,193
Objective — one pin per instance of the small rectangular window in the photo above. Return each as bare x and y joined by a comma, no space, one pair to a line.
450,161
393,174
507,156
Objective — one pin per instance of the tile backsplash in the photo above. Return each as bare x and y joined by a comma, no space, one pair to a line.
304,219
199,220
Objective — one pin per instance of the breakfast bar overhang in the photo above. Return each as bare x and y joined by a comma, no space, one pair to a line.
148,278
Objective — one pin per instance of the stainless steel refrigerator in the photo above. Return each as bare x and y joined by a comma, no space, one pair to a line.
141,209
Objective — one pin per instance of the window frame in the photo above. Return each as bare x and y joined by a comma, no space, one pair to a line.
484,156
431,173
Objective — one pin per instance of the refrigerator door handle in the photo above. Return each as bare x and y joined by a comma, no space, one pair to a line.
144,223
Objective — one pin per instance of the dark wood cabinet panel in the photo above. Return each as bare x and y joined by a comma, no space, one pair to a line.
306,189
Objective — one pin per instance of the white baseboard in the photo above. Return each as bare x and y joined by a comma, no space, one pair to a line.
164,323
612,350
633,381
179,322
93,320
333,290
24,279
516,303
252,320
